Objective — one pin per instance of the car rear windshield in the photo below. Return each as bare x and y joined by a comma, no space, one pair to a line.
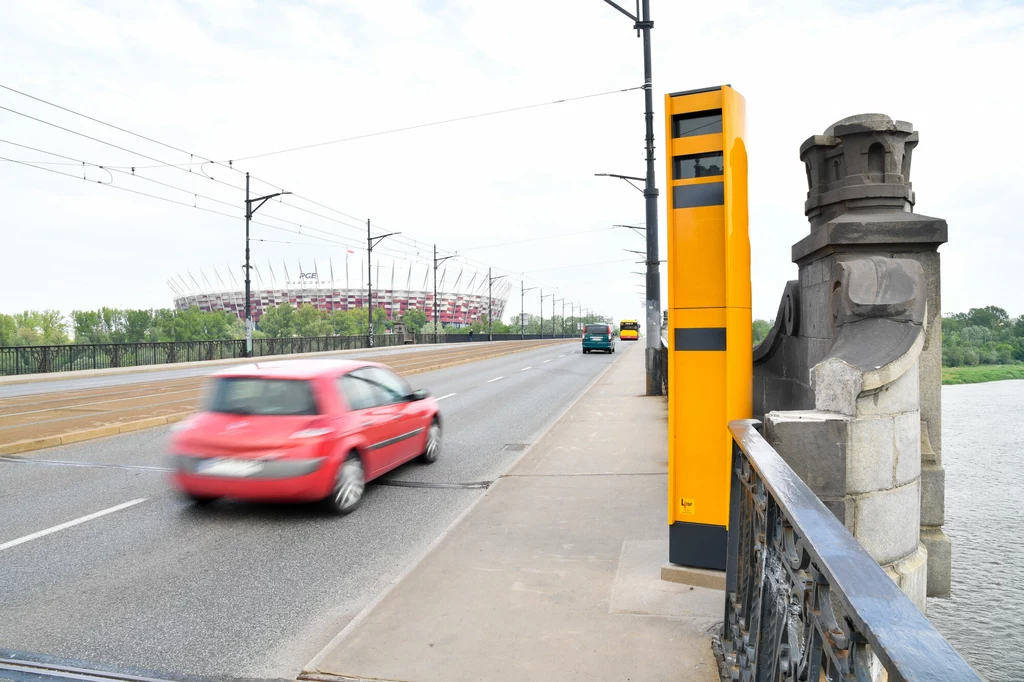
252,395
597,329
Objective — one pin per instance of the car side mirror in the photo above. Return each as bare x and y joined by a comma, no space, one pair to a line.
419,394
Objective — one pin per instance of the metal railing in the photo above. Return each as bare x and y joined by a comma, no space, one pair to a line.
804,600
464,338
73,357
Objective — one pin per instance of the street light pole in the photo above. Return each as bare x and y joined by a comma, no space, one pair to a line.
553,299
522,308
490,307
370,243
644,24
249,210
437,261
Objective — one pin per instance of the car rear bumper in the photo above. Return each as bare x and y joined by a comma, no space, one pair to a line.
303,488
597,345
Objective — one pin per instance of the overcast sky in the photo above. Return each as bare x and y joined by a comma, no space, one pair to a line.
233,78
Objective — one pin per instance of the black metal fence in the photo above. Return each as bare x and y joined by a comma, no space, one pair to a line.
73,357
804,600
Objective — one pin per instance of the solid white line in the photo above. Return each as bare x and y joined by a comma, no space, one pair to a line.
526,368
491,381
447,396
69,524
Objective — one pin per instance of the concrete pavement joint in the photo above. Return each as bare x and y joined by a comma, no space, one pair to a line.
312,668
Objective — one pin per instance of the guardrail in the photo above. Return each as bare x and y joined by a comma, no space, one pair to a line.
804,600
73,357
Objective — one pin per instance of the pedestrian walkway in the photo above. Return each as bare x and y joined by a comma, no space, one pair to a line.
555,573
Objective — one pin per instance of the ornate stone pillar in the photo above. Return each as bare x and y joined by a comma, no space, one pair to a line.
863,233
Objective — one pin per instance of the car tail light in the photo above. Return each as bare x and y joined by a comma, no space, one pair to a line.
312,433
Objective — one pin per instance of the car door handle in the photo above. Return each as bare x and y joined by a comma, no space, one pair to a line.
365,424
396,417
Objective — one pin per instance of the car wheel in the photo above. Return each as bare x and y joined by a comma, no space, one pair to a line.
349,484
433,448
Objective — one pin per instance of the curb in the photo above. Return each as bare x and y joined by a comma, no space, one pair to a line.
311,671
32,444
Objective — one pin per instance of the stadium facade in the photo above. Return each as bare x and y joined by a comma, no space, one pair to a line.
461,292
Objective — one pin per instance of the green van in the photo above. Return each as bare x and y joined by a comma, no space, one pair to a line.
598,337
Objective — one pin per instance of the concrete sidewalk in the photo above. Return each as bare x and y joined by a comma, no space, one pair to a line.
555,573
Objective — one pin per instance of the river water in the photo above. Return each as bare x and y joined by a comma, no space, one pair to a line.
983,453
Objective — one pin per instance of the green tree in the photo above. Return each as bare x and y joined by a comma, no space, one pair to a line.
343,323
308,322
8,330
87,326
414,320
761,329
41,327
137,324
278,322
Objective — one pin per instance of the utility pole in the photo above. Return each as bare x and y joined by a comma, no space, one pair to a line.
563,317
522,308
370,243
553,299
249,210
542,297
437,261
490,307
643,24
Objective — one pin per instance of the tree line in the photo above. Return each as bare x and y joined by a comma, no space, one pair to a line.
116,325
981,336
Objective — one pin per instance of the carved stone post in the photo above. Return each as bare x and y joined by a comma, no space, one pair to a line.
866,309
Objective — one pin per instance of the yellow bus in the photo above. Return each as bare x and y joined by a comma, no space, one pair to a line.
629,330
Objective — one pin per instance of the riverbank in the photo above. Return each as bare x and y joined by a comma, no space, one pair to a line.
981,373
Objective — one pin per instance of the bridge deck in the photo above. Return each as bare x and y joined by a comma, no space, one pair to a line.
29,422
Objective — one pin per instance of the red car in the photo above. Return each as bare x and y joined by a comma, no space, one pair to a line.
302,430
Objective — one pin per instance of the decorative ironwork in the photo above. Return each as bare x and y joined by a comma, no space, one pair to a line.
804,600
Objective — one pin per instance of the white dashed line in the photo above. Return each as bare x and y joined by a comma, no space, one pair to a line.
526,368
447,396
491,381
562,355
547,361
69,524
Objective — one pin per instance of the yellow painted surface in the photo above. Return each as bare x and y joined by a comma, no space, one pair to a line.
709,287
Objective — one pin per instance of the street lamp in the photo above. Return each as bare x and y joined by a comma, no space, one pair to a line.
249,210
490,301
542,297
437,261
522,308
643,24
370,243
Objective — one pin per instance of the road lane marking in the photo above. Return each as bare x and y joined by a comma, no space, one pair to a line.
547,361
491,381
562,355
526,368
69,524
447,396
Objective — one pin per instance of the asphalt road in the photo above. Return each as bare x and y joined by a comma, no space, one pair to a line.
234,590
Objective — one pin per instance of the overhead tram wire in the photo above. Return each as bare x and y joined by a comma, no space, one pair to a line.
229,165
434,123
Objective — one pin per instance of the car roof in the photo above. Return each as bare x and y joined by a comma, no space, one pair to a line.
294,369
